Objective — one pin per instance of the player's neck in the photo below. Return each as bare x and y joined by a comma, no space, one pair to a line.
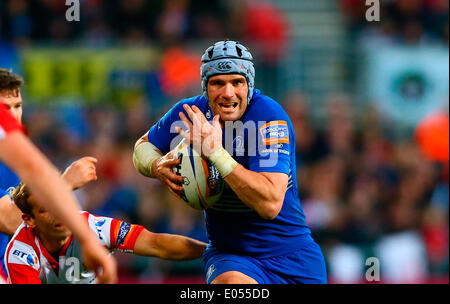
52,244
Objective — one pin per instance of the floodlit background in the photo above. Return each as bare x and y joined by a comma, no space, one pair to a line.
369,102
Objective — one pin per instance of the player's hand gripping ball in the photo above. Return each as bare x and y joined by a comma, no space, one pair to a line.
203,185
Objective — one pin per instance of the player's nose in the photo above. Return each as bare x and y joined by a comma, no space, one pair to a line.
228,91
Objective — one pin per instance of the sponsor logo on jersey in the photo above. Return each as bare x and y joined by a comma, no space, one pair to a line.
19,253
275,132
99,222
123,232
28,258
32,260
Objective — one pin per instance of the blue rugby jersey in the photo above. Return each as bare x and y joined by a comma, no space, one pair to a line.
264,142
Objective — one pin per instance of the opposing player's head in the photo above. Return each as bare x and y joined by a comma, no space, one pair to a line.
37,217
10,85
228,79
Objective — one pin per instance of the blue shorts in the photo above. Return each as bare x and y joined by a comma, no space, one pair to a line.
302,266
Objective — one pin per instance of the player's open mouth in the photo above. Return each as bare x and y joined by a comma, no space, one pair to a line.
228,106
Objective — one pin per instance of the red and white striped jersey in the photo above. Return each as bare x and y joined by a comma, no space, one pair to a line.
28,261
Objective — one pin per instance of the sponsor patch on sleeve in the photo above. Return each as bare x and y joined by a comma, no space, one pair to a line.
123,232
22,254
274,132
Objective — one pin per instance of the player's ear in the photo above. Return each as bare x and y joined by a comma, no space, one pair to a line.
28,220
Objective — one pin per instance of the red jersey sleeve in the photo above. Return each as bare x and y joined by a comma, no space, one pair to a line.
123,235
21,261
23,274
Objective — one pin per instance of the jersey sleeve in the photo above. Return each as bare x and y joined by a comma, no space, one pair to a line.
274,139
7,122
124,235
113,233
22,264
163,134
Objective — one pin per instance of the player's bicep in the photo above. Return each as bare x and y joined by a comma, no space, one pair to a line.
146,244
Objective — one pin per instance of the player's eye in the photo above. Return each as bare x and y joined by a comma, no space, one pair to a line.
216,83
238,82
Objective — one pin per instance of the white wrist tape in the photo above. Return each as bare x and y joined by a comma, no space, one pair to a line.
223,161
143,157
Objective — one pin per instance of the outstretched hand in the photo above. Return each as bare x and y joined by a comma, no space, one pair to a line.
204,137
81,172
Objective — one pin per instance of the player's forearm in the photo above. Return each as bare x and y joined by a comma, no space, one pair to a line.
10,216
168,246
144,156
256,191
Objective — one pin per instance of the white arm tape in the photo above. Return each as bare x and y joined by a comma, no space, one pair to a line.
223,162
143,157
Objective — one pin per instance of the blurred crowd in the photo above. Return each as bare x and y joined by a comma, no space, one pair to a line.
409,22
101,21
365,193
134,22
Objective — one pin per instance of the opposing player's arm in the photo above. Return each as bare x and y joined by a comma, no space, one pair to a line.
10,216
138,240
168,246
80,172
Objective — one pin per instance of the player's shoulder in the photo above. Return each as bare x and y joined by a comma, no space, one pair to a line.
94,221
199,101
24,234
263,107
21,249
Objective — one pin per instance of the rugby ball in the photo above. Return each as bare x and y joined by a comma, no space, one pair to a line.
202,185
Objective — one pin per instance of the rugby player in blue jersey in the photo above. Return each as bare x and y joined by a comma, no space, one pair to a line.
257,229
